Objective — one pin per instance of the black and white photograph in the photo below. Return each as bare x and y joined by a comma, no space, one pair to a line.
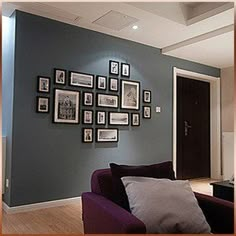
107,100
87,98
125,70
59,76
101,82
113,84
147,112
66,106
43,84
100,117
135,119
118,118
107,135
81,79
147,96
130,92
87,135
114,67
88,117
42,104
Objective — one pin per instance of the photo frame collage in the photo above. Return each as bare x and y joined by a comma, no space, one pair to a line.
111,93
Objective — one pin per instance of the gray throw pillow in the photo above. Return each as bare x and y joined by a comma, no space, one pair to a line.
165,206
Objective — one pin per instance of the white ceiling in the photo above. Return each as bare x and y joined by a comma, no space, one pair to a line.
161,25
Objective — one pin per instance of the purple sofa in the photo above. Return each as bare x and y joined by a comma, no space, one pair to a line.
102,215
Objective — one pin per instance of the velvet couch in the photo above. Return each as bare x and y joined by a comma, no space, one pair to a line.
102,215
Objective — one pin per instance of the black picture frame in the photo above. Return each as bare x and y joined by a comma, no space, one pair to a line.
113,113
85,137
144,111
122,97
83,83
62,74
84,122
43,85
132,119
38,108
124,67
98,82
85,100
99,104
145,100
112,69
97,117
56,109
104,140
111,81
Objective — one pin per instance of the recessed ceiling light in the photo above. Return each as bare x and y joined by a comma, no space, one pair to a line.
135,27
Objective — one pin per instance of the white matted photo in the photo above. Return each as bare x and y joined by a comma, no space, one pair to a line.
107,100
107,135
147,112
114,67
43,84
147,96
59,76
87,136
101,82
81,79
118,118
125,70
42,104
113,85
135,119
101,118
87,98
130,92
66,106
88,117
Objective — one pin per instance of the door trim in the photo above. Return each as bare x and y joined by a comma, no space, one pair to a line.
215,119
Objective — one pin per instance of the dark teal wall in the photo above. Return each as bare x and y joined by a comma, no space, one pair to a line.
49,161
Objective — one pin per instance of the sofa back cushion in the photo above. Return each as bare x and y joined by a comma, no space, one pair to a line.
160,170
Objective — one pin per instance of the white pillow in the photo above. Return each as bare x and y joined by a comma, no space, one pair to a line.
165,206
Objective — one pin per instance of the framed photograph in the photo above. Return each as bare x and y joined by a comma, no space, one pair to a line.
101,82
42,104
118,118
125,70
87,98
114,67
100,117
135,119
107,135
130,93
107,100
87,135
147,112
88,117
59,76
43,84
81,79
147,96
66,106
113,84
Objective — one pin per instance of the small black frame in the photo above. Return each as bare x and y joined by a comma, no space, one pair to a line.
84,99
83,117
37,104
100,129
110,84
39,88
111,69
132,120
97,123
79,84
150,96
117,124
123,67
98,86
84,137
144,116
56,79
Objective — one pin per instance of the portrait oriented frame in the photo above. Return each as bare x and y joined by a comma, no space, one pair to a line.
38,110
144,97
123,74
65,92
97,122
132,119
123,92
110,84
83,117
85,93
98,82
150,114
84,138
39,88
56,70
111,71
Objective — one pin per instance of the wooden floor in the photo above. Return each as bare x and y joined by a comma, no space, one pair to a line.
64,219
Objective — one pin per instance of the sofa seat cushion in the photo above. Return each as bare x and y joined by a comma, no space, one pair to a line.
165,206
160,170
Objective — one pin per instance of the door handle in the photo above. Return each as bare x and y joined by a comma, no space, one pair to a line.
186,127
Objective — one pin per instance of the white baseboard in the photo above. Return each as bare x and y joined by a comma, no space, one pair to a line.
40,205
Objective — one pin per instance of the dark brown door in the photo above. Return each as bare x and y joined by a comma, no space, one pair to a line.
193,128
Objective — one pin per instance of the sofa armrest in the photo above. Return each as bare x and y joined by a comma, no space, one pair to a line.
100,215
219,213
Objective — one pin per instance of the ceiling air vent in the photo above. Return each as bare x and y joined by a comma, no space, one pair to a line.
115,20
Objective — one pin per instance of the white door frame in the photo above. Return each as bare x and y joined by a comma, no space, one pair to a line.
215,119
